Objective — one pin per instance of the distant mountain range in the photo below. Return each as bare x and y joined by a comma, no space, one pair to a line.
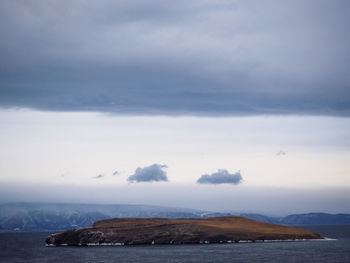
304,219
56,217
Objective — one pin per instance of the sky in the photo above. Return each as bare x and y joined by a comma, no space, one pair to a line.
215,105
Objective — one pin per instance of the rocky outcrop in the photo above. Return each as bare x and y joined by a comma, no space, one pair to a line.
132,231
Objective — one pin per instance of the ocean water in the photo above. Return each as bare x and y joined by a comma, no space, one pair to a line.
30,247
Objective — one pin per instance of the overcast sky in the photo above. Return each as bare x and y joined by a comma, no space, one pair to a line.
176,57
220,97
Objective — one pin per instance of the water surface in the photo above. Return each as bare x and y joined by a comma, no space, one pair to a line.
30,247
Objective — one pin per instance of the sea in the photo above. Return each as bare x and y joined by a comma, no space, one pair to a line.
30,247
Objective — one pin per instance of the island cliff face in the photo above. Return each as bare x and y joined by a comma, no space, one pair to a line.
132,231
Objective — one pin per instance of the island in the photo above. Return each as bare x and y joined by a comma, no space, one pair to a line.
141,231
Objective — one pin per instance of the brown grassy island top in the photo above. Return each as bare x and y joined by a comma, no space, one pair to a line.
128,231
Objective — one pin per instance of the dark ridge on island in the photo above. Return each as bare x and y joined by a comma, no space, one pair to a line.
141,231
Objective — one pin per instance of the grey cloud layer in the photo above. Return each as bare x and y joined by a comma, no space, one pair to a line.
152,173
184,57
222,176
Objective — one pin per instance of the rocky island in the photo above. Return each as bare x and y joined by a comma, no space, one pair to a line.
137,231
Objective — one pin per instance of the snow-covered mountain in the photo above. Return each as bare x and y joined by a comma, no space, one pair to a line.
52,216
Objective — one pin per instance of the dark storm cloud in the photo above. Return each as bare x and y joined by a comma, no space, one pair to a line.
222,176
152,173
176,57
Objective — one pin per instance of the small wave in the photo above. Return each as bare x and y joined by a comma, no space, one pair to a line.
300,240
329,239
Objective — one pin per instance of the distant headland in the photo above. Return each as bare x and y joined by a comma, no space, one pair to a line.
140,231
